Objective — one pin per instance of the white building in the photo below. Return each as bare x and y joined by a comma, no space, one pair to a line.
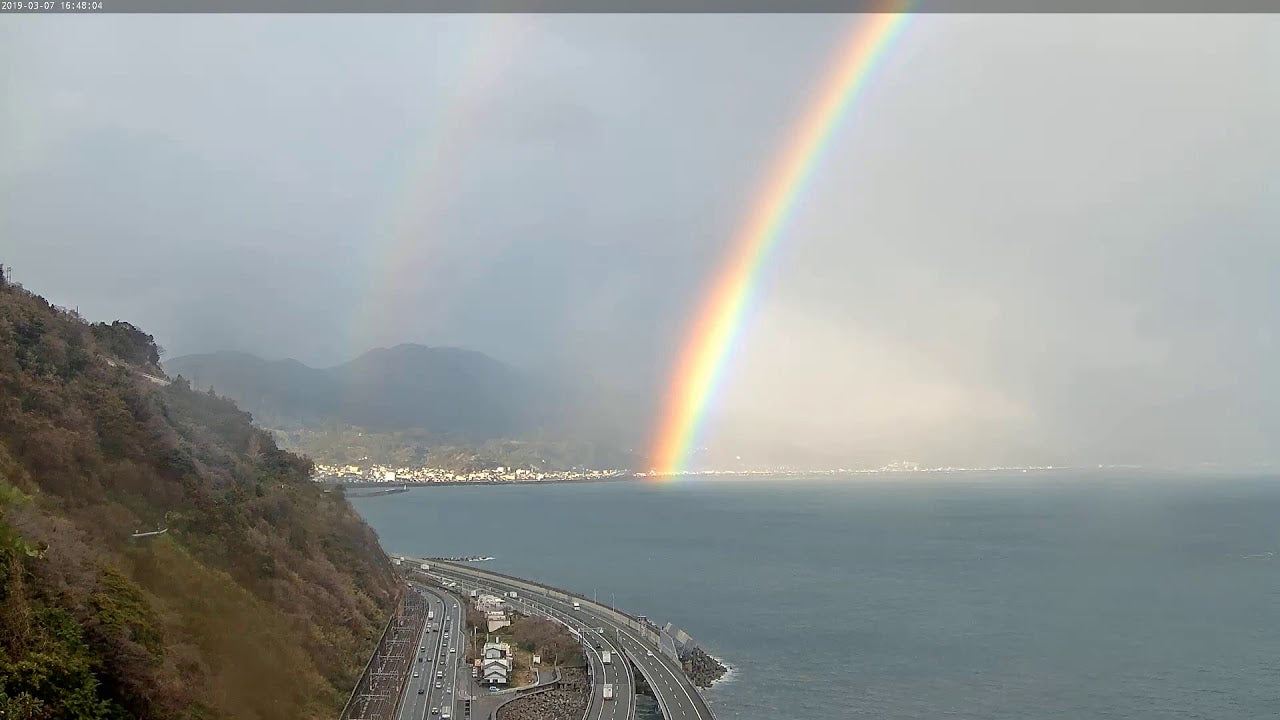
496,619
495,664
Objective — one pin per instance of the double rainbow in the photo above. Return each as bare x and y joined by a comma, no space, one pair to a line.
711,337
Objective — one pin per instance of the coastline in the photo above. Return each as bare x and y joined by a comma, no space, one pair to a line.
454,483
730,672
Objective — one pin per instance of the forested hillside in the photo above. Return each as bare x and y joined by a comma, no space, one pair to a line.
416,405
261,600
449,392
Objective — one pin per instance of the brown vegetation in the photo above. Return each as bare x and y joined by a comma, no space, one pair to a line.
546,638
261,601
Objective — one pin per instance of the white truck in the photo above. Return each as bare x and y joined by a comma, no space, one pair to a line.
475,593
425,566
607,692
577,605
606,657
431,615
444,713
512,594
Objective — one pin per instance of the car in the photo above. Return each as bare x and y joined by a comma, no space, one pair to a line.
435,711
439,684
453,649
448,691
649,653
493,689
415,673
419,659
597,646
422,691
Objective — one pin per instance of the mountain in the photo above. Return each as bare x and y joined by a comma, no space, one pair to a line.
450,392
400,405
256,595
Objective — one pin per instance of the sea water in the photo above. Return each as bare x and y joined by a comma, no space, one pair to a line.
1064,595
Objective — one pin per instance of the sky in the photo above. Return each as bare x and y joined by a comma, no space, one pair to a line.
1034,239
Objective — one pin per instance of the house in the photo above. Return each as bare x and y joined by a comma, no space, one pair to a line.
496,619
495,667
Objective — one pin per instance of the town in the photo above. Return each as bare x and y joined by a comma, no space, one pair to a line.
382,474
378,474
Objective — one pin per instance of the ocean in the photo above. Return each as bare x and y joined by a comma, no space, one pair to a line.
973,596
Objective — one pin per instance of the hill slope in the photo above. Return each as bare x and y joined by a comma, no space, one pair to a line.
450,392
261,600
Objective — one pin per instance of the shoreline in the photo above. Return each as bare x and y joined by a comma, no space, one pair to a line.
730,672
455,483
690,674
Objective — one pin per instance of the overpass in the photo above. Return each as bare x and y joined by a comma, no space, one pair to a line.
616,672
650,650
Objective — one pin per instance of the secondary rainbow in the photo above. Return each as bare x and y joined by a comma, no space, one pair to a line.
711,337
401,259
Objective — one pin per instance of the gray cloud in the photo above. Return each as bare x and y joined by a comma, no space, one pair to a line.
1033,239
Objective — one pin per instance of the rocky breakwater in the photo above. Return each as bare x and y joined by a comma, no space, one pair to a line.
701,668
559,704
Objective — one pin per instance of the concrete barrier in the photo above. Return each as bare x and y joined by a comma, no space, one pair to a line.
533,690
395,612
646,631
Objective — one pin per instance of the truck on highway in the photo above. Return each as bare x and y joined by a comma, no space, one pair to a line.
425,566
577,605
440,674
606,657
512,594
607,692
431,614
444,713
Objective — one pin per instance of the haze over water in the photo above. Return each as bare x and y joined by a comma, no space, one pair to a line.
1029,596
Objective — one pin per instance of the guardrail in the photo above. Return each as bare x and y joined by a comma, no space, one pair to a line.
395,612
516,691
624,659
648,632
526,691
551,614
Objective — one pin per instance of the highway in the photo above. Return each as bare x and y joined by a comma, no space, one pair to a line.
617,673
432,656
677,697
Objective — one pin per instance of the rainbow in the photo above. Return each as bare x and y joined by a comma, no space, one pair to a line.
402,259
712,335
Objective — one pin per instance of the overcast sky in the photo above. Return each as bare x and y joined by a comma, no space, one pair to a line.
1034,238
